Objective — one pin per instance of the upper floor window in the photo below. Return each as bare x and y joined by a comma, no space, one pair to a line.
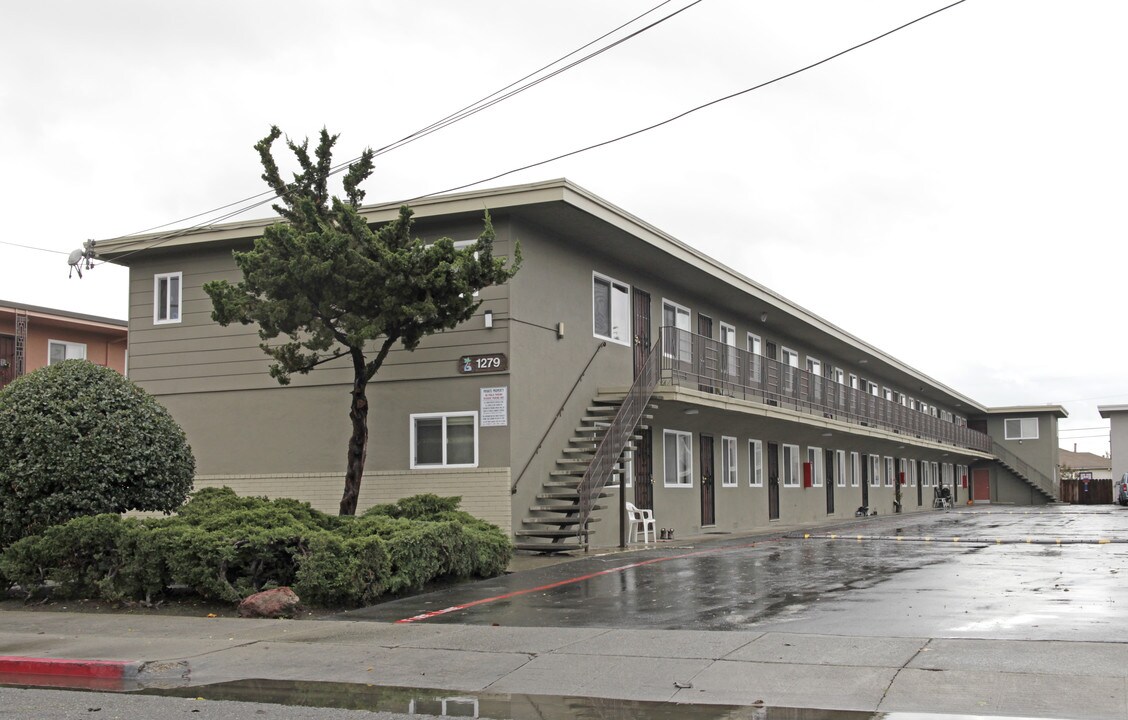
680,344
611,309
444,440
1020,428
168,290
60,350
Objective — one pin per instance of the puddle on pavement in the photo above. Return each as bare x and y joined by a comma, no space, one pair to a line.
504,706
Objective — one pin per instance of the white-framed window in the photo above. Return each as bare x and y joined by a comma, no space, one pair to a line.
789,464
444,439
60,350
677,458
925,474
853,381
728,338
840,467
677,316
839,376
790,359
855,469
729,477
815,457
756,347
947,476
1020,428
890,472
755,463
935,473
610,309
814,370
168,294
912,475
875,470
888,394
874,389
462,245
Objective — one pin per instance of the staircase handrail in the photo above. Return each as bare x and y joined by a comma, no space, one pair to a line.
615,440
557,416
1034,476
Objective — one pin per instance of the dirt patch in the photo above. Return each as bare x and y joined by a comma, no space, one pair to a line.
186,605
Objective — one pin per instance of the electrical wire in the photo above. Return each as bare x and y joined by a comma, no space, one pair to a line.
681,115
478,106
32,247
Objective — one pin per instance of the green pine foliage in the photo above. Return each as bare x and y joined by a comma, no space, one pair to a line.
224,547
323,285
79,439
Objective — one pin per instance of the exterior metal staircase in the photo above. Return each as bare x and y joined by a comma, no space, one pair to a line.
561,518
1023,471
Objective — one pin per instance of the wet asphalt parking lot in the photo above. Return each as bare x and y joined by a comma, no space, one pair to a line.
1052,573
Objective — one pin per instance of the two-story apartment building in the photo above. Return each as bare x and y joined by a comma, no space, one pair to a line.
619,359
32,337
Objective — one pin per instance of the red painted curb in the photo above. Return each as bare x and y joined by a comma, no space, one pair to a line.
64,667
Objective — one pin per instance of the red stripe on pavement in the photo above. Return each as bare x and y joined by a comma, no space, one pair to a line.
104,669
569,581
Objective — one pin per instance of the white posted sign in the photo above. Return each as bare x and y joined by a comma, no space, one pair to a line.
494,411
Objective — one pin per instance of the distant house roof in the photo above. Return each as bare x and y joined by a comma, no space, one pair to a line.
1083,460
55,313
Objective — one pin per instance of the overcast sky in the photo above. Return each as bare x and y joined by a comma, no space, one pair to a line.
953,193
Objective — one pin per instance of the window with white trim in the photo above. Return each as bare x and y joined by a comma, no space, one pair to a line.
1020,428
947,476
677,451
728,338
912,472
815,457
890,472
755,463
462,245
875,470
814,369
925,474
60,350
789,464
840,467
855,469
611,309
444,440
728,462
168,294
676,316
853,381
756,347
790,359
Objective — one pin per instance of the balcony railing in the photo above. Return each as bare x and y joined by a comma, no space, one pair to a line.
699,362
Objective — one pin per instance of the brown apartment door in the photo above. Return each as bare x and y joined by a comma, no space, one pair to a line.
920,486
981,485
708,487
706,354
640,308
7,359
644,470
773,481
828,463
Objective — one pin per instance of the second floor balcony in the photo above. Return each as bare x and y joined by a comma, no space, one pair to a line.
698,362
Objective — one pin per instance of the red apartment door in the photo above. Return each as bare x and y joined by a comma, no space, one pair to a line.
981,485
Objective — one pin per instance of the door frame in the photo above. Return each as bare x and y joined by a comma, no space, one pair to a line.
773,481
707,464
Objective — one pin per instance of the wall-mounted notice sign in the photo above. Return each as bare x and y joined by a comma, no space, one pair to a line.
494,407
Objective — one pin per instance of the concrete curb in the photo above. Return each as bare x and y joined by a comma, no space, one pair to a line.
112,675
71,668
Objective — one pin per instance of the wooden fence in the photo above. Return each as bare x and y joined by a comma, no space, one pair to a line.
1086,492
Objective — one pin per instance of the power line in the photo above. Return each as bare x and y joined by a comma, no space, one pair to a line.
32,247
695,109
486,102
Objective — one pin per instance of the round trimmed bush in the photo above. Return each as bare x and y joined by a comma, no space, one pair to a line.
79,439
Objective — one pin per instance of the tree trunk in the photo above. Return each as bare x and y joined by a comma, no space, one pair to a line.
358,443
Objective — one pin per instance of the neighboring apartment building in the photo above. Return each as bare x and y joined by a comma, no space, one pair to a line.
726,406
33,337
1117,415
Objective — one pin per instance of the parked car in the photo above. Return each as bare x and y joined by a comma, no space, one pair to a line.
1122,490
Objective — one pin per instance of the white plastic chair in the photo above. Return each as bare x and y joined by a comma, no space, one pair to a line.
641,520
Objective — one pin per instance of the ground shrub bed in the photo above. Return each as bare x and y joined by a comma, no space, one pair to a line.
223,547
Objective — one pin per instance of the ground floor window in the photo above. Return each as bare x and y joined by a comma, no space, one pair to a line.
444,440
60,350
855,469
789,460
889,472
728,462
677,449
815,458
840,467
756,463
875,471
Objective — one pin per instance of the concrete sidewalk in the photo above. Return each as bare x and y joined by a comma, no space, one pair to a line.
993,677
